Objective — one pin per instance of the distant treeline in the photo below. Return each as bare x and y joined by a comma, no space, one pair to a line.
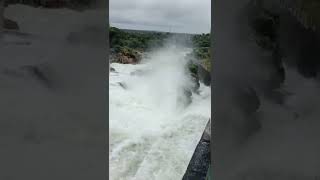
135,40
131,41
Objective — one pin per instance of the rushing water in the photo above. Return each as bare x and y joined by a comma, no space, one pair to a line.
152,135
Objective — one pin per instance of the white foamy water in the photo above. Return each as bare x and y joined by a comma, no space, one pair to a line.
151,135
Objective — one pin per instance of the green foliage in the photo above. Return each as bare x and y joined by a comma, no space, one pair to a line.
201,49
193,68
201,40
129,43
202,52
134,40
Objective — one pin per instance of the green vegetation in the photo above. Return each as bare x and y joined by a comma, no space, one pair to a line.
120,40
201,40
128,45
131,43
201,50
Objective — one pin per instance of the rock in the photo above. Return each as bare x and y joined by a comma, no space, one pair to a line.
204,75
112,69
125,55
196,83
193,71
126,60
139,55
123,85
10,24
199,73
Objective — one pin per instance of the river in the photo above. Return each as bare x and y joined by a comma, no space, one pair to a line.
152,134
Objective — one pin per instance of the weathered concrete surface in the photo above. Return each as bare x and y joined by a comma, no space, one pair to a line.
199,164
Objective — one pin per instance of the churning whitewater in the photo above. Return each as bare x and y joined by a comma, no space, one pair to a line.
152,132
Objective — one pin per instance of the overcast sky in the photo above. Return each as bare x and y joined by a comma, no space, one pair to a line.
190,16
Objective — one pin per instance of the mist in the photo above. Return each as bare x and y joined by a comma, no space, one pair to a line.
154,125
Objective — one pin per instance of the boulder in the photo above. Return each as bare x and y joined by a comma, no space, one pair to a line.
196,83
126,60
204,75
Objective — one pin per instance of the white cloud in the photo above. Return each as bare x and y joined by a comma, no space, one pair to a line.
191,16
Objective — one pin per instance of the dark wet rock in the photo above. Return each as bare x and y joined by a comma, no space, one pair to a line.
192,70
123,85
204,75
196,83
112,69
198,74
126,60
125,56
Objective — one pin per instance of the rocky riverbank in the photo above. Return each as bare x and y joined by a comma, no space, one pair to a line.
125,56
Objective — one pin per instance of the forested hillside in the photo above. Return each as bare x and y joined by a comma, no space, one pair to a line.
128,45
201,49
